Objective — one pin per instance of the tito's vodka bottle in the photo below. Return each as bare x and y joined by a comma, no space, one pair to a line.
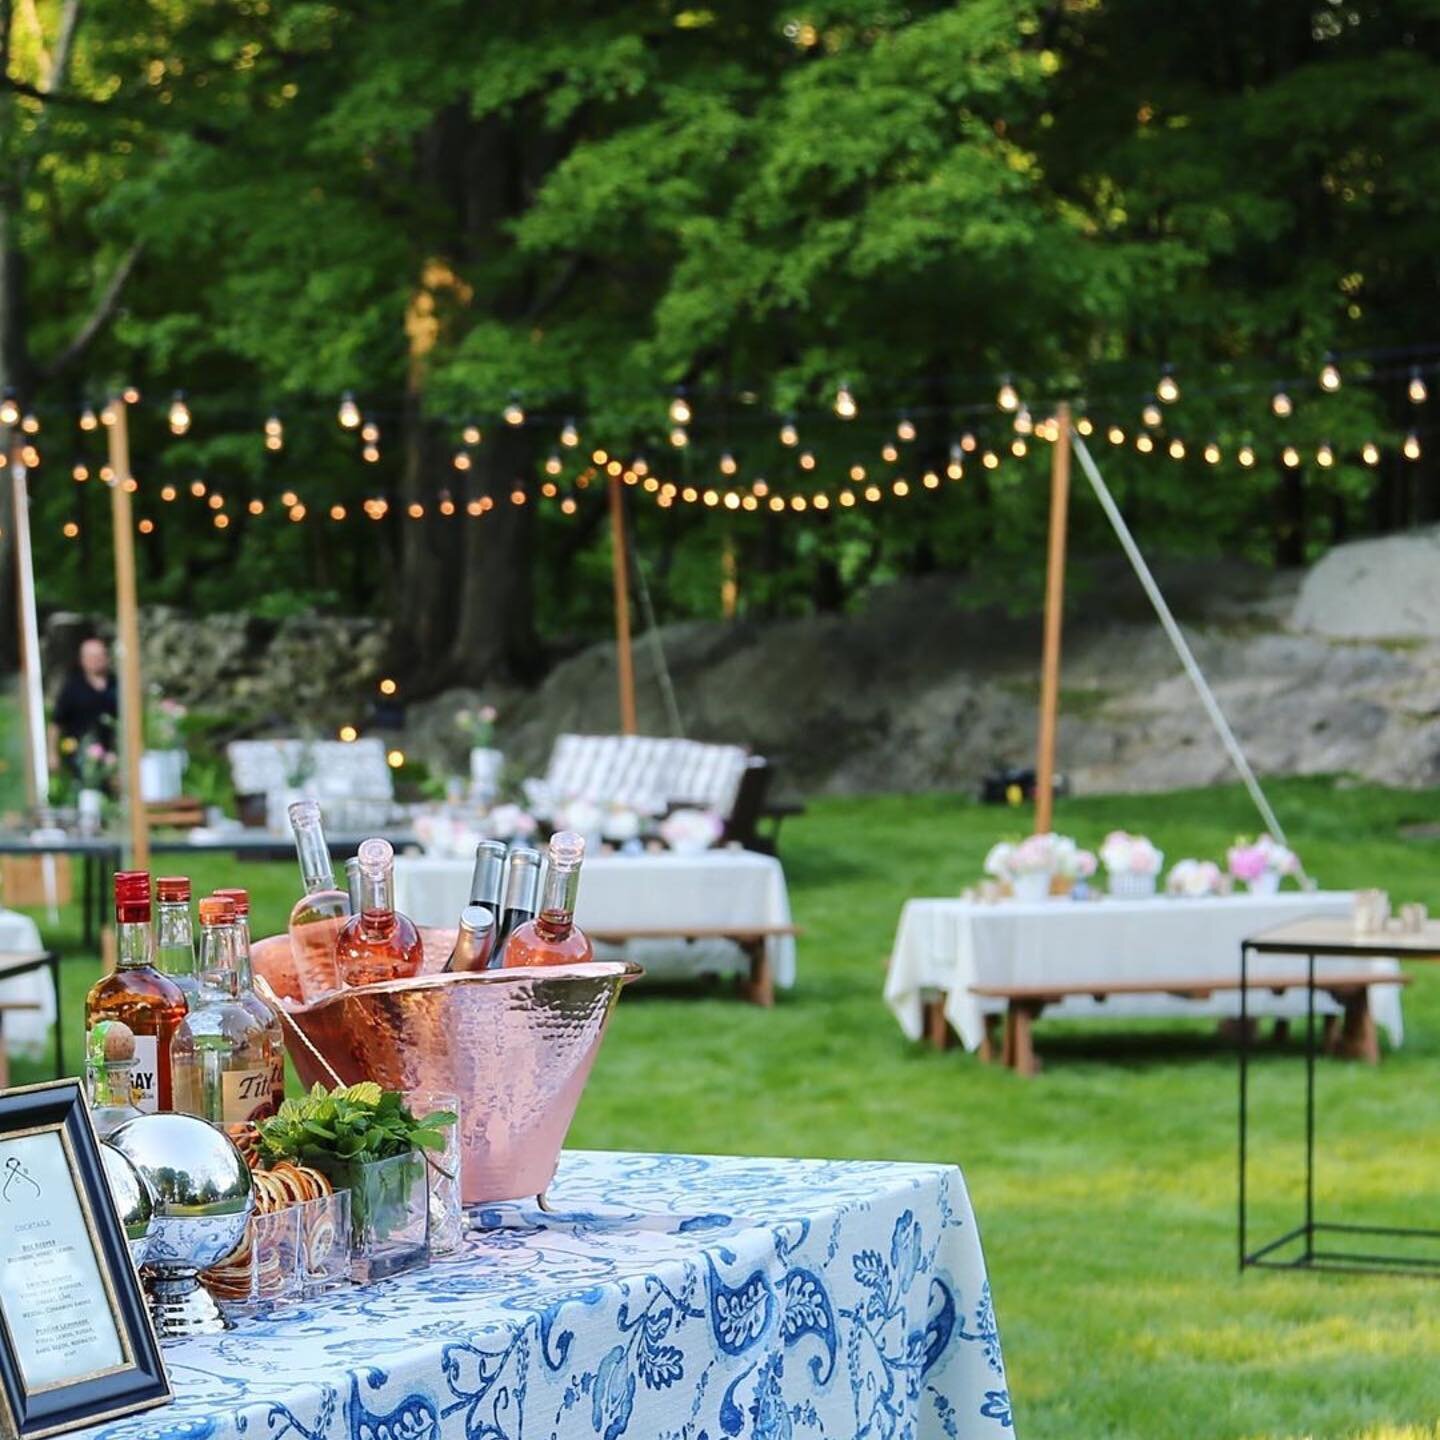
150,1003
219,1054
319,914
379,943
263,1012
552,937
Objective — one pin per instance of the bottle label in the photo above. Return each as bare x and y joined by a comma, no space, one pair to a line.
145,1074
245,1095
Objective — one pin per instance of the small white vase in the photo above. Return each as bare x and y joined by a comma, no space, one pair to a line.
485,768
1126,885
90,810
1031,887
1266,883
162,775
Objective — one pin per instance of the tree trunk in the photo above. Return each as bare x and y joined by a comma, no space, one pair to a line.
14,373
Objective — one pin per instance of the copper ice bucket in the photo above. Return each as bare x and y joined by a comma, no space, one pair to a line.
516,1046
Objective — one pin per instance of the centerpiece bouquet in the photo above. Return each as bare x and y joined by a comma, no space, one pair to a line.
1031,865
688,832
1132,863
1261,863
1194,879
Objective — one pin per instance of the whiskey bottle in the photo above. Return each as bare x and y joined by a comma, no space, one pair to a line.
219,1053
261,1009
522,896
475,942
553,937
175,934
321,912
379,943
150,1003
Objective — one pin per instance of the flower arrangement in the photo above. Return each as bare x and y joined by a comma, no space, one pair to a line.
582,816
477,725
1132,863
1193,879
620,825
1261,863
510,822
163,719
688,832
96,765
1029,864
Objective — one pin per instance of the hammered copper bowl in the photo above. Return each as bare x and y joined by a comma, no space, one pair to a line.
515,1045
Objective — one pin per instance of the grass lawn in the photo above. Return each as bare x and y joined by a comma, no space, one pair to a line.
1106,1187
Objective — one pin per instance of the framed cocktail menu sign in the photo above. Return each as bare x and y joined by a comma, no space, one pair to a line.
76,1342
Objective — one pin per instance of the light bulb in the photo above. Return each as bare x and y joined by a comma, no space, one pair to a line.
1115,435
1212,453
514,412
146,527
955,469
549,489
1411,447
568,505
1168,388
872,493
289,498
789,435
599,457
256,507
461,460
905,430
1018,448
471,434
349,413
727,464
1083,425
847,498
1416,389
807,460
711,498
80,472
968,442
88,418
1325,456
297,514
1330,374
337,512
889,453
29,456
1246,456
1143,443
222,522
990,460
679,408
370,454
168,492
845,406
370,433
569,435
689,494
1151,414
760,487
678,437
930,480
1024,421
1177,449
732,500
1370,453
1280,403
1007,399
197,488
553,465
9,409
640,465
274,433
130,395
857,472
216,501
1291,457
70,529
179,415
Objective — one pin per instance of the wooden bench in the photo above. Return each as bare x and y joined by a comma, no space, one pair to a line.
759,988
1354,1037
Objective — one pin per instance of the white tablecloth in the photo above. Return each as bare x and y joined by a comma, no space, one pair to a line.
950,945
25,1030
641,892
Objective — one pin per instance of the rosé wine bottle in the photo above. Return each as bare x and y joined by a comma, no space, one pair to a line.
379,943
552,937
321,911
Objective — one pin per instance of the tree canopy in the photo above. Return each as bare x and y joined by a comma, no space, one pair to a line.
447,209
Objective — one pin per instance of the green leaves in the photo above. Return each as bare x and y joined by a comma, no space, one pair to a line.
355,1123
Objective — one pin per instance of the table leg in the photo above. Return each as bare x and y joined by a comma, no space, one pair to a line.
1244,1081
987,1040
53,963
1310,1108
936,1028
1020,1017
1357,1039
87,904
761,989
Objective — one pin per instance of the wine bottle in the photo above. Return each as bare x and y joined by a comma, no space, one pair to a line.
553,937
321,911
352,883
522,895
489,876
379,943
475,942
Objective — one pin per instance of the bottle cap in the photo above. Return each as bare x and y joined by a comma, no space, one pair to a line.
132,897
239,896
217,910
112,1042
477,919
567,849
304,812
376,854
173,889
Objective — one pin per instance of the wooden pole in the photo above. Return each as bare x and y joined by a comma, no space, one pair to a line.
127,625
624,652
32,700
1054,614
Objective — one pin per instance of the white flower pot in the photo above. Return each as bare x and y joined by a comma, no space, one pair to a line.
1267,883
485,768
90,810
1031,887
1126,885
162,775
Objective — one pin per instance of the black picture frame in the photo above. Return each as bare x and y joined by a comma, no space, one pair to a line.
138,1381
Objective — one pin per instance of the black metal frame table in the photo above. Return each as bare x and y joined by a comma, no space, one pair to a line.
13,965
100,855
1332,939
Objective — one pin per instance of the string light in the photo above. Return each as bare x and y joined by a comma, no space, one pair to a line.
1330,374
461,460
1084,426
1115,435
197,488
847,498
789,435
80,472
1151,414
130,486
1411,448
108,414
1280,404
760,487
168,493
1325,456
968,442
1177,449
568,505
1290,456
29,457
1212,453
9,409
514,412
1246,456
447,505
640,465
146,526
872,493
845,406
289,498
732,500
857,472
370,454
901,488
807,460
370,433
1416,389
1370,453
990,460
130,395
1144,443
1024,422
1018,448
689,494
216,501
179,414
349,412
415,510
905,428
955,469
349,734
1007,399
274,433
553,463
930,480
395,758
1168,388
727,464
679,438
471,433
679,407
549,489
517,496
337,512
221,521
69,529
711,498
569,435
888,453
88,418
256,507
30,424
388,686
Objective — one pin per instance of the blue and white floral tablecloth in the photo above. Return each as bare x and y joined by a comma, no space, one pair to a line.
664,1296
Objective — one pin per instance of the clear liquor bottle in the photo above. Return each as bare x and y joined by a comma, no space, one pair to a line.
260,1008
379,943
109,1062
175,934
219,1051
150,1003
553,937
321,912
474,941
522,897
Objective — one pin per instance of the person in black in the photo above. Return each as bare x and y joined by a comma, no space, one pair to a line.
86,707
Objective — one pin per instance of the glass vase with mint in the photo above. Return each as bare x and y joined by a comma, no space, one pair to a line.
367,1141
